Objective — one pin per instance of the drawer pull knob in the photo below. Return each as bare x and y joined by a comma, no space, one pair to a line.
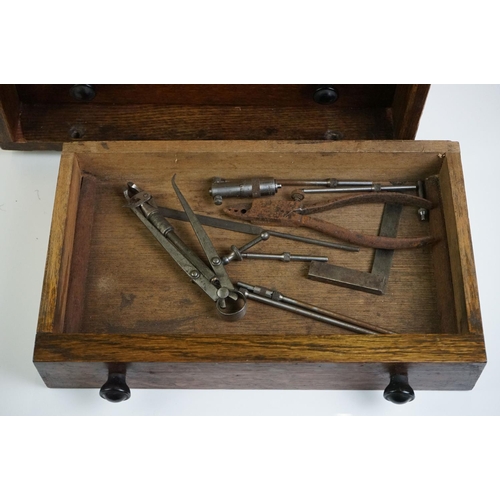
325,94
399,390
115,390
82,92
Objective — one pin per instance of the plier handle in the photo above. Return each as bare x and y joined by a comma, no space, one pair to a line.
293,213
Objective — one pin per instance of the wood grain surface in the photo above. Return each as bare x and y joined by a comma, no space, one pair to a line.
407,108
350,96
46,116
127,302
10,110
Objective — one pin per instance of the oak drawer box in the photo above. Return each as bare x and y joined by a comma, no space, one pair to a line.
47,116
115,302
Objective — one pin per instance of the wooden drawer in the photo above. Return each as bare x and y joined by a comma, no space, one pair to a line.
115,302
47,116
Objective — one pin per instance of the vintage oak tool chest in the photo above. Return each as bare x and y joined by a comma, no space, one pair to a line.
117,311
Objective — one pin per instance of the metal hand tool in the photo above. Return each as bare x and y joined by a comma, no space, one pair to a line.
375,281
240,227
214,281
292,213
236,253
277,299
245,188
284,257
422,212
256,187
372,187
241,253
330,183
298,195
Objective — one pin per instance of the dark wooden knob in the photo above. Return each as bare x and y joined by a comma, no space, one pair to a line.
115,390
399,390
82,92
325,94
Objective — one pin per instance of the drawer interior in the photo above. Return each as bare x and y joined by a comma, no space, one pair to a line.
118,279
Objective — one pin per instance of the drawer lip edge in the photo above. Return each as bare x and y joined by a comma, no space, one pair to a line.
262,145
190,348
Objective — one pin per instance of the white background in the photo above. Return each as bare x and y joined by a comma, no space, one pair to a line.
469,114
238,458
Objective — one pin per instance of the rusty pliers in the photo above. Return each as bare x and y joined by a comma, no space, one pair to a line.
293,213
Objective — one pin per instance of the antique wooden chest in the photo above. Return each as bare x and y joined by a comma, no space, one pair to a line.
115,305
